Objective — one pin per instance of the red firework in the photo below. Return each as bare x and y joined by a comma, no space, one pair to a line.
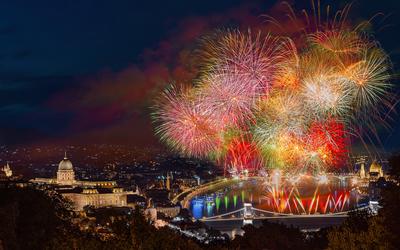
328,139
242,154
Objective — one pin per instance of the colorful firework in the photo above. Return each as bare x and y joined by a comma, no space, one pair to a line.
185,126
264,100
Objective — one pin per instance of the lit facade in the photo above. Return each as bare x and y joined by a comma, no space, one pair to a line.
7,170
85,193
116,197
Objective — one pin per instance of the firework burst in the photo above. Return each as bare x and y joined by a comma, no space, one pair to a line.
262,100
184,126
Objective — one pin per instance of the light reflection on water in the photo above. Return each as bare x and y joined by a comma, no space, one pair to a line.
306,197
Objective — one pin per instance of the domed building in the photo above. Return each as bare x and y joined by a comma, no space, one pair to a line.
375,170
83,193
65,172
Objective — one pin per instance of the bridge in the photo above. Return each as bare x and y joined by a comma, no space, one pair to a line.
249,213
185,197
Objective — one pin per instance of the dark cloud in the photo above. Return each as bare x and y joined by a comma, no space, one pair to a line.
115,105
88,71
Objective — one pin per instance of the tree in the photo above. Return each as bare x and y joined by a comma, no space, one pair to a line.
167,239
140,229
270,236
32,217
347,236
394,163
391,202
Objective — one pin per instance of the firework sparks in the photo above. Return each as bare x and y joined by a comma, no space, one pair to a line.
268,101
184,125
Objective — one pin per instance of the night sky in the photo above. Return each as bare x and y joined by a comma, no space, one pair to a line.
81,72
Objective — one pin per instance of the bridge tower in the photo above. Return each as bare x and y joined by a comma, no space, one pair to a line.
248,214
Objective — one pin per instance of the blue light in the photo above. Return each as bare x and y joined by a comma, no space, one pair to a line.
197,209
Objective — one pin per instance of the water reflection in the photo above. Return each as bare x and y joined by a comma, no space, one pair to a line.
305,197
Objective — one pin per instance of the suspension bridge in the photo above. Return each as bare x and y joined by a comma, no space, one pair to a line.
249,213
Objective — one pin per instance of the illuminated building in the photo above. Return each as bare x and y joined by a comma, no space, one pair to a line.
372,173
169,211
151,214
375,170
66,177
7,171
96,197
168,182
65,173
85,193
362,171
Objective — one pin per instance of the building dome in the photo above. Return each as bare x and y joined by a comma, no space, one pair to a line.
65,164
375,167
